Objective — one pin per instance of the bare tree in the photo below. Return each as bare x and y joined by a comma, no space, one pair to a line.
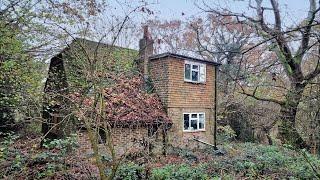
282,41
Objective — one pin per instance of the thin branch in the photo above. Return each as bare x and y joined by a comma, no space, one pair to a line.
306,34
253,95
276,13
314,73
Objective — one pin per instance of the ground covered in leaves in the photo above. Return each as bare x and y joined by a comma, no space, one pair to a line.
22,158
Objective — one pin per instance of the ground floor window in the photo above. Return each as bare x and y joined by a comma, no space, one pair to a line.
193,121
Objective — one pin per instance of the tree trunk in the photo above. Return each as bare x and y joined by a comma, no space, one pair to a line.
287,130
316,133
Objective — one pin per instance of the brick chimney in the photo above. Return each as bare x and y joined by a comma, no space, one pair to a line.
145,51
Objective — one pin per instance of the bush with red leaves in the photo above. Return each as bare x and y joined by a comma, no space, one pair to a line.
127,102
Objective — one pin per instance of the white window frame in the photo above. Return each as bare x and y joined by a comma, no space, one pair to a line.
198,120
201,67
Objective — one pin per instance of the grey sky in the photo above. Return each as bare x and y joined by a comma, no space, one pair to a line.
292,10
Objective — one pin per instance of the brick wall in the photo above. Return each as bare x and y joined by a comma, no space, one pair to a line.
177,136
187,94
159,74
181,97
125,140
167,75
129,139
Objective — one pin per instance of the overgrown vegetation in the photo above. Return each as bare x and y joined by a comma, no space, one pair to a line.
244,160
20,80
275,64
20,159
240,160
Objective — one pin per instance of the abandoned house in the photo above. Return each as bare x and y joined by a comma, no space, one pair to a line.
179,108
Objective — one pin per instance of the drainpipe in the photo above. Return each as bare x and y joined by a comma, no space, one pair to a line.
215,107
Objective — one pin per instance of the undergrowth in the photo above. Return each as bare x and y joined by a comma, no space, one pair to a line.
238,161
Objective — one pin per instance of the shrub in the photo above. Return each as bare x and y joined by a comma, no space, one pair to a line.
9,154
7,141
182,172
184,153
55,161
64,145
305,166
130,171
225,133
252,160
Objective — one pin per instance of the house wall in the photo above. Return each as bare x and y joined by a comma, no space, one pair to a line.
130,139
125,141
159,73
181,97
176,135
57,80
55,105
187,94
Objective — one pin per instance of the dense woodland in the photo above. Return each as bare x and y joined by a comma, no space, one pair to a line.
268,116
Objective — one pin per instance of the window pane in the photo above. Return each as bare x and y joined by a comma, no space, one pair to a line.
201,121
194,115
186,122
195,76
201,116
194,125
195,67
187,71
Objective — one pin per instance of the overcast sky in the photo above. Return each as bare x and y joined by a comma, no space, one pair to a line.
292,10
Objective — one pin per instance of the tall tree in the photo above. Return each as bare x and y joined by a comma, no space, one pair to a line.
293,46
212,37
10,52
30,32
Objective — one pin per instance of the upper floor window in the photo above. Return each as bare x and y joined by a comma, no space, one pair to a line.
193,121
194,72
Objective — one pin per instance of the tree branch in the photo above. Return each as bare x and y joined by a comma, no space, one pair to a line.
306,34
253,95
276,13
314,73
261,21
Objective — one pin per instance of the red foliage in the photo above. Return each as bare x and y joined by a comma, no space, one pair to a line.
127,102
